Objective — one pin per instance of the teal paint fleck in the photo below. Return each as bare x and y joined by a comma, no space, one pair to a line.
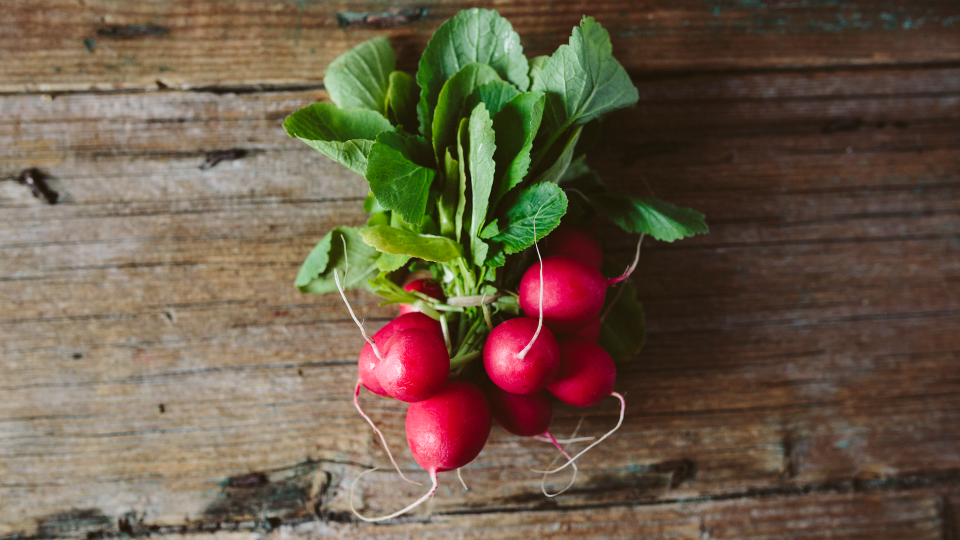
889,21
948,21
128,61
112,68
716,10
56,69
916,192
162,68
90,44
843,444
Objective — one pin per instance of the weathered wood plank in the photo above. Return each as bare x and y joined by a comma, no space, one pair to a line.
58,45
804,344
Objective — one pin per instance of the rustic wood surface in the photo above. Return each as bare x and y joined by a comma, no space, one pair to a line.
161,376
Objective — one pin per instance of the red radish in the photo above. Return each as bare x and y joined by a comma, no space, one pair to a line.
527,415
368,361
587,373
573,242
590,332
586,377
573,291
428,287
523,415
516,373
445,432
415,366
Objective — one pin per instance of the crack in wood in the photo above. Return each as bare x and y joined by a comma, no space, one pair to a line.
381,20
131,31
36,180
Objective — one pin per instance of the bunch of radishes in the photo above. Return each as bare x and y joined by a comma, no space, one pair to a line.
470,163
449,417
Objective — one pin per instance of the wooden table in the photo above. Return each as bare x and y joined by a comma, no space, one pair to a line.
162,377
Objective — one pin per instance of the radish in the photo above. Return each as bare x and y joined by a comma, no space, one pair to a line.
521,373
444,433
428,287
527,416
368,360
590,332
573,242
416,365
573,291
587,374
523,415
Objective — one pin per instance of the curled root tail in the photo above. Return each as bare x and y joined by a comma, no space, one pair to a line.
356,403
623,407
421,500
543,480
631,268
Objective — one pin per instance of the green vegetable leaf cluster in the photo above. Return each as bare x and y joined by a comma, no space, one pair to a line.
470,161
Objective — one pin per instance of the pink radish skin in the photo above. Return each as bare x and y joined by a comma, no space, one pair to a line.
523,415
573,293
415,366
586,376
573,242
367,363
590,332
501,356
428,287
450,429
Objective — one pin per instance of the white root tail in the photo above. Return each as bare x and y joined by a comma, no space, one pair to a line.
563,452
536,246
462,483
421,500
623,407
356,403
542,438
631,268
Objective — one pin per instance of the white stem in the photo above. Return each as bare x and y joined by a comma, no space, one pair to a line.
433,477
536,246
623,407
486,314
356,403
446,333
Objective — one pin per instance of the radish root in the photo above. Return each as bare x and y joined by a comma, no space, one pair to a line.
542,438
421,500
356,403
462,483
623,407
563,452
536,246
336,278
631,268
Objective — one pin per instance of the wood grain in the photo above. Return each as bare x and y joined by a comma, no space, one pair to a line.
61,45
161,375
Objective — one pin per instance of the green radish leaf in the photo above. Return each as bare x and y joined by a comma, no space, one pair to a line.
402,242
490,230
623,331
450,104
536,65
463,137
316,273
449,196
494,94
516,126
657,218
472,35
496,257
400,174
380,218
539,207
482,168
388,262
370,204
359,78
555,172
402,97
583,80
344,135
